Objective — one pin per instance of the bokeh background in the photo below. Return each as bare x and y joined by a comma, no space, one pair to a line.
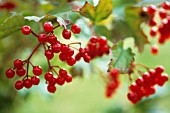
86,94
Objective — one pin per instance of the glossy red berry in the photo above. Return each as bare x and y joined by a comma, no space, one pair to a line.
49,54
52,39
26,30
159,69
21,72
102,41
60,80
19,85
48,27
42,38
71,61
86,58
68,78
18,63
93,39
51,88
35,80
75,29
162,13
151,9
166,5
63,56
10,73
27,83
37,70
62,72
66,34
153,32
56,48
114,73
48,76
154,50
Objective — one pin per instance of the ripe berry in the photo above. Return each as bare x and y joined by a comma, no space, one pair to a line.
56,48
18,63
26,30
10,73
52,39
62,72
153,32
51,88
93,39
133,97
114,73
35,80
166,5
19,85
63,56
68,78
48,76
154,50
27,83
162,13
60,80
75,29
86,58
21,72
49,54
102,41
151,9
66,34
159,69
71,61
37,70
48,27
42,38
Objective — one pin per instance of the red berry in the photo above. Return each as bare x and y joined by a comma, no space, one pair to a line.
162,13
51,88
71,61
66,34
153,32
26,30
152,22
49,54
114,73
154,50
86,58
93,39
159,69
64,48
60,80
166,5
68,78
37,70
102,41
134,88
133,97
21,72
70,52
48,27
151,9
139,81
35,80
56,48
48,76
62,72
18,63
27,83
42,38
63,56
75,29
19,85
78,56
10,73
52,39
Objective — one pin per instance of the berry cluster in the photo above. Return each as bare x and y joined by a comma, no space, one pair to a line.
160,27
144,86
51,45
113,83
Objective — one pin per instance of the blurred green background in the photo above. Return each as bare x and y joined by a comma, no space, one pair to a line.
85,94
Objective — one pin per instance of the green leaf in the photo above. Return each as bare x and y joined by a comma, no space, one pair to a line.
98,13
121,58
11,25
88,11
134,16
103,31
103,10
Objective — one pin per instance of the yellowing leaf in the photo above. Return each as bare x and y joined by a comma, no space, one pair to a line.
134,16
103,10
98,13
88,11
